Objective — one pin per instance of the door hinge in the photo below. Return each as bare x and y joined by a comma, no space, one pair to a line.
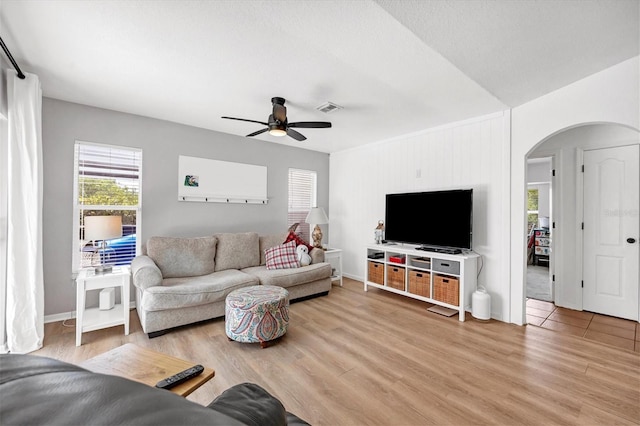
553,225
553,172
582,283
582,226
583,168
553,277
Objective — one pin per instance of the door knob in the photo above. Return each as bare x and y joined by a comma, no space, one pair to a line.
631,240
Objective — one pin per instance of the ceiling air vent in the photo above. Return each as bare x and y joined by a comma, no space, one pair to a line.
328,107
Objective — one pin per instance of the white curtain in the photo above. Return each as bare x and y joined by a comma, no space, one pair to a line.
24,313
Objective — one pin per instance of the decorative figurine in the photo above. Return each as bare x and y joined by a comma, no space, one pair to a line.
303,255
379,232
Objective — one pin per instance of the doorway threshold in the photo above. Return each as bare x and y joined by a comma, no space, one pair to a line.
618,332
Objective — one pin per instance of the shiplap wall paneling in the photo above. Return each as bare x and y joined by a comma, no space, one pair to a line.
468,155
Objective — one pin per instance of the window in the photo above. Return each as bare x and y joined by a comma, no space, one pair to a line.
302,197
532,209
107,182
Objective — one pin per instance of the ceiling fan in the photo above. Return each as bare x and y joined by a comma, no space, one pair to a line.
278,124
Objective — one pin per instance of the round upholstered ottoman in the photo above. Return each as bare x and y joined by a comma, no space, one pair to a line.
257,314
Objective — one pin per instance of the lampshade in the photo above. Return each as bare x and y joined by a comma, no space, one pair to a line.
317,215
102,227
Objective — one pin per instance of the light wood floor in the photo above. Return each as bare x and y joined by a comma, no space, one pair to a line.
356,358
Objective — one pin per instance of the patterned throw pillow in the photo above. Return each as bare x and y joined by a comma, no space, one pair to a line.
282,257
299,241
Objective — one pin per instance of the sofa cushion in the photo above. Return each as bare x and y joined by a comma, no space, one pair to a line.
183,257
237,250
290,277
268,241
179,293
282,257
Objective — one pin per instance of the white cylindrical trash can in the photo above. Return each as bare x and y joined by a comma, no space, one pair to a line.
481,304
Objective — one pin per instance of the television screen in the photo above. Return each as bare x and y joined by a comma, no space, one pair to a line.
430,219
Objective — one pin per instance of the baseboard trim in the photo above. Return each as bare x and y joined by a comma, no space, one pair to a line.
70,315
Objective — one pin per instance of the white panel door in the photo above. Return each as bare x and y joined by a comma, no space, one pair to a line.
611,227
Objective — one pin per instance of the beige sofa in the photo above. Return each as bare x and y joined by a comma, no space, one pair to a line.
181,281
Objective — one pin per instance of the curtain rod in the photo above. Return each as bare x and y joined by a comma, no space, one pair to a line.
13,62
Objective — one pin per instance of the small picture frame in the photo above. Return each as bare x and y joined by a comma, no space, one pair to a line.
191,180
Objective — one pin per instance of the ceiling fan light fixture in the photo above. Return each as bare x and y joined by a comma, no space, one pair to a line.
277,131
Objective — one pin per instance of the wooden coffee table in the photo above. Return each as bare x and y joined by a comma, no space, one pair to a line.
146,366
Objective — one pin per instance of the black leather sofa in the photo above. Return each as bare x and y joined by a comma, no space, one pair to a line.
37,390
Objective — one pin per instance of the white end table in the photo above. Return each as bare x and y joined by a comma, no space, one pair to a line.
334,256
93,318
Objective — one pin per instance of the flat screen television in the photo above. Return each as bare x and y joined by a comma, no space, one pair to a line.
432,220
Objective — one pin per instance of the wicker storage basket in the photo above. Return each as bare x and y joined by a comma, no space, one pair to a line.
420,283
446,289
376,273
395,277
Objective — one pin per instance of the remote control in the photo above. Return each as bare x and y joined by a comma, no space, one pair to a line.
180,377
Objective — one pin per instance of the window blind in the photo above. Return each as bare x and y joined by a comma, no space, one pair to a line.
107,183
302,197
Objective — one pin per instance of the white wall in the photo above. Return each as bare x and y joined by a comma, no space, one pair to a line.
539,171
470,154
610,96
476,153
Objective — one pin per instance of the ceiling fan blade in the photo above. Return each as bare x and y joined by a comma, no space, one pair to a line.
257,133
244,119
297,136
310,124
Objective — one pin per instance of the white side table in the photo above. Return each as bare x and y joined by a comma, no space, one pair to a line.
334,256
93,318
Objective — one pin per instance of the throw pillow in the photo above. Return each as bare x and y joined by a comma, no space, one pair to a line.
237,250
183,257
299,241
282,257
268,241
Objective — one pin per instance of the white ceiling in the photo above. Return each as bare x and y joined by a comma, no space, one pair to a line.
396,67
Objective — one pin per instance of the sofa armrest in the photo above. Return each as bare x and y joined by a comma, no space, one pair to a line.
145,272
254,406
317,255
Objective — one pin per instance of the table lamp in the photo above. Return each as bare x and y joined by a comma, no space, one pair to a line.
318,217
102,228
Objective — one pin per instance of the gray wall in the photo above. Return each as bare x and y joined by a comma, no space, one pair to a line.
161,142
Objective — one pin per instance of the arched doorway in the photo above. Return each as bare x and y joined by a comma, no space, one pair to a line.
567,148
604,97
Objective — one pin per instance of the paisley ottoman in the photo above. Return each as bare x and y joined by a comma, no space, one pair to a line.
257,314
